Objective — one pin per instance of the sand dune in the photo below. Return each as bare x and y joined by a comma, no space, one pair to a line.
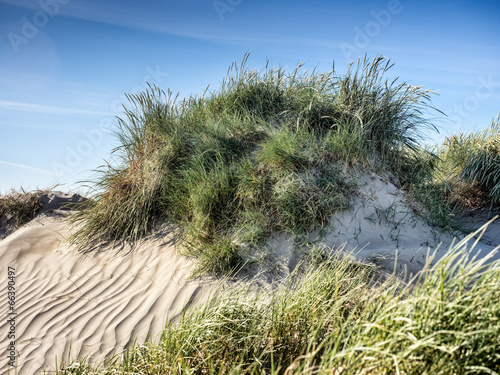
71,305
380,223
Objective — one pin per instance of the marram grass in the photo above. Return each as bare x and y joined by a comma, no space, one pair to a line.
269,152
340,317
483,161
270,145
468,166
18,208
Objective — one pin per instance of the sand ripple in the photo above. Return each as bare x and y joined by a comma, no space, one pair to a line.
70,305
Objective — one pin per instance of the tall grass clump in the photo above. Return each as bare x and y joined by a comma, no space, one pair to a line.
340,317
18,208
482,165
128,196
266,152
389,113
469,165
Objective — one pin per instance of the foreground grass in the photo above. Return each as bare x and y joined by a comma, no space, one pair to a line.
268,152
337,318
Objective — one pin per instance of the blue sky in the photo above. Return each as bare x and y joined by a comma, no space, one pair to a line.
65,64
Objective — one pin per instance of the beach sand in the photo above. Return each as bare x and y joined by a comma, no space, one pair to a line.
72,305
381,226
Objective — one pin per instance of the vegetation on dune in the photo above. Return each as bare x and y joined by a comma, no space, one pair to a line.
470,163
266,152
272,151
463,175
18,208
338,317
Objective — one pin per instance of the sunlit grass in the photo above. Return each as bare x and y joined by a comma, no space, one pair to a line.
338,317
482,164
275,151
469,168
270,144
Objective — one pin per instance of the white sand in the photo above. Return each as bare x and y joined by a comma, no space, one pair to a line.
379,223
71,305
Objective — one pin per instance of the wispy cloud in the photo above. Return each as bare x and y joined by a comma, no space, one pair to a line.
38,108
41,127
168,19
125,15
24,166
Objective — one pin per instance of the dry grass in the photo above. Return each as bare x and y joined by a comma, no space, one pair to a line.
17,208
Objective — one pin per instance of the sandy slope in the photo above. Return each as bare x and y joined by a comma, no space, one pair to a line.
69,304
379,223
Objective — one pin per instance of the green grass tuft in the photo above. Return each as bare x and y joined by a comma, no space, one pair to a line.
482,163
269,144
465,174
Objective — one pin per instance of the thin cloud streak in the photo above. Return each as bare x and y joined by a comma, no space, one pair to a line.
24,166
95,12
41,127
38,108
